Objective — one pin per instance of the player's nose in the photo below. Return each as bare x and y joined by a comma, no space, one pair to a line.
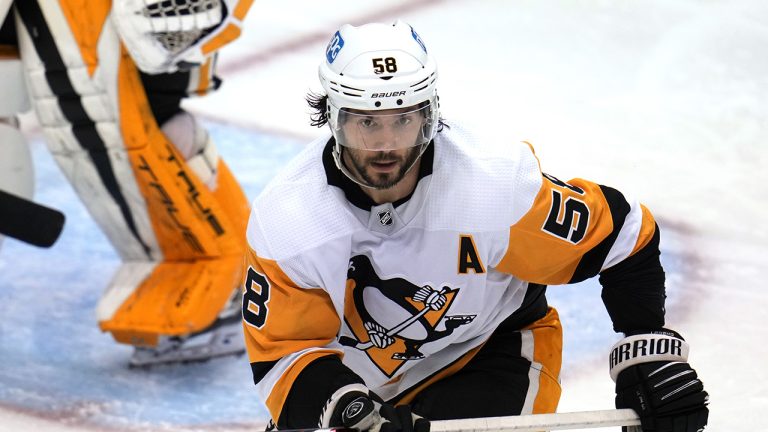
386,139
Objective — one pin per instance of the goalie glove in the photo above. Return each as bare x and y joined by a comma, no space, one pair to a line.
355,407
653,378
165,36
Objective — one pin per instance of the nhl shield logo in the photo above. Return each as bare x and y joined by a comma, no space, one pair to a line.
385,218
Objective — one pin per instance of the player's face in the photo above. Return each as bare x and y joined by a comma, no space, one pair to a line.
380,146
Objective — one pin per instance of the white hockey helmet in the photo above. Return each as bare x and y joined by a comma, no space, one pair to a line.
379,67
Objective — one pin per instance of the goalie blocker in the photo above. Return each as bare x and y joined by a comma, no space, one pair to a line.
653,377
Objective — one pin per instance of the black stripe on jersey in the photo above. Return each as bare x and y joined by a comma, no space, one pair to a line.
83,127
592,261
353,191
633,290
312,389
261,369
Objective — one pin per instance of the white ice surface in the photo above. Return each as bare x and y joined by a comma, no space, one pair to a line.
663,99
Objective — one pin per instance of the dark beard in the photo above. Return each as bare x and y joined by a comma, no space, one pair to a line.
384,181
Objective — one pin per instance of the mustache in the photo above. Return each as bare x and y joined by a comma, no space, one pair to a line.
384,157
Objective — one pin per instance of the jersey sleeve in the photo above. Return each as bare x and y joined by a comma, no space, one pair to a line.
572,231
286,328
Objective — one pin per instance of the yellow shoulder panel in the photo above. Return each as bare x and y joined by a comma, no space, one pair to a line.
565,221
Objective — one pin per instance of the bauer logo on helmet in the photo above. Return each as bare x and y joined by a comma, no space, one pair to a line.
388,94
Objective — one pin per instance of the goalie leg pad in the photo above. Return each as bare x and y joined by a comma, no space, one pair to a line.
16,170
176,299
16,173
189,220
201,232
5,7
12,87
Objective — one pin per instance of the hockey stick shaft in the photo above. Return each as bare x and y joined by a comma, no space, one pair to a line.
28,221
540,422
529,423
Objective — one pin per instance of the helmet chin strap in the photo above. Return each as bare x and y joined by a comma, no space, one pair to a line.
340,164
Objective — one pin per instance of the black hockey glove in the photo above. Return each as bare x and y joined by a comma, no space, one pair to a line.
355,407
653,378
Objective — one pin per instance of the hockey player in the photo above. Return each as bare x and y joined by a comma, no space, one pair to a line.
106,81
399,261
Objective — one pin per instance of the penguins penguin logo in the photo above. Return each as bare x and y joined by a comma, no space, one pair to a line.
392,318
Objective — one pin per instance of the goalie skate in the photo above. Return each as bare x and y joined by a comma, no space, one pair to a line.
224,337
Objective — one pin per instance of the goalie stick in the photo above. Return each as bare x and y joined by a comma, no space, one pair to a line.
28,221
529,423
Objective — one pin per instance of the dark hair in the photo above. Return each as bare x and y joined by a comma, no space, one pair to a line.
319,117
319,104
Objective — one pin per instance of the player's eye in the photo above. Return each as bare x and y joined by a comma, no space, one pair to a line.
404,120
366,123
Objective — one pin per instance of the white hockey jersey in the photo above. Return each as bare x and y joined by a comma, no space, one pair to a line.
403,291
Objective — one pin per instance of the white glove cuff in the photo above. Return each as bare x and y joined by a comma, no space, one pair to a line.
644,348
